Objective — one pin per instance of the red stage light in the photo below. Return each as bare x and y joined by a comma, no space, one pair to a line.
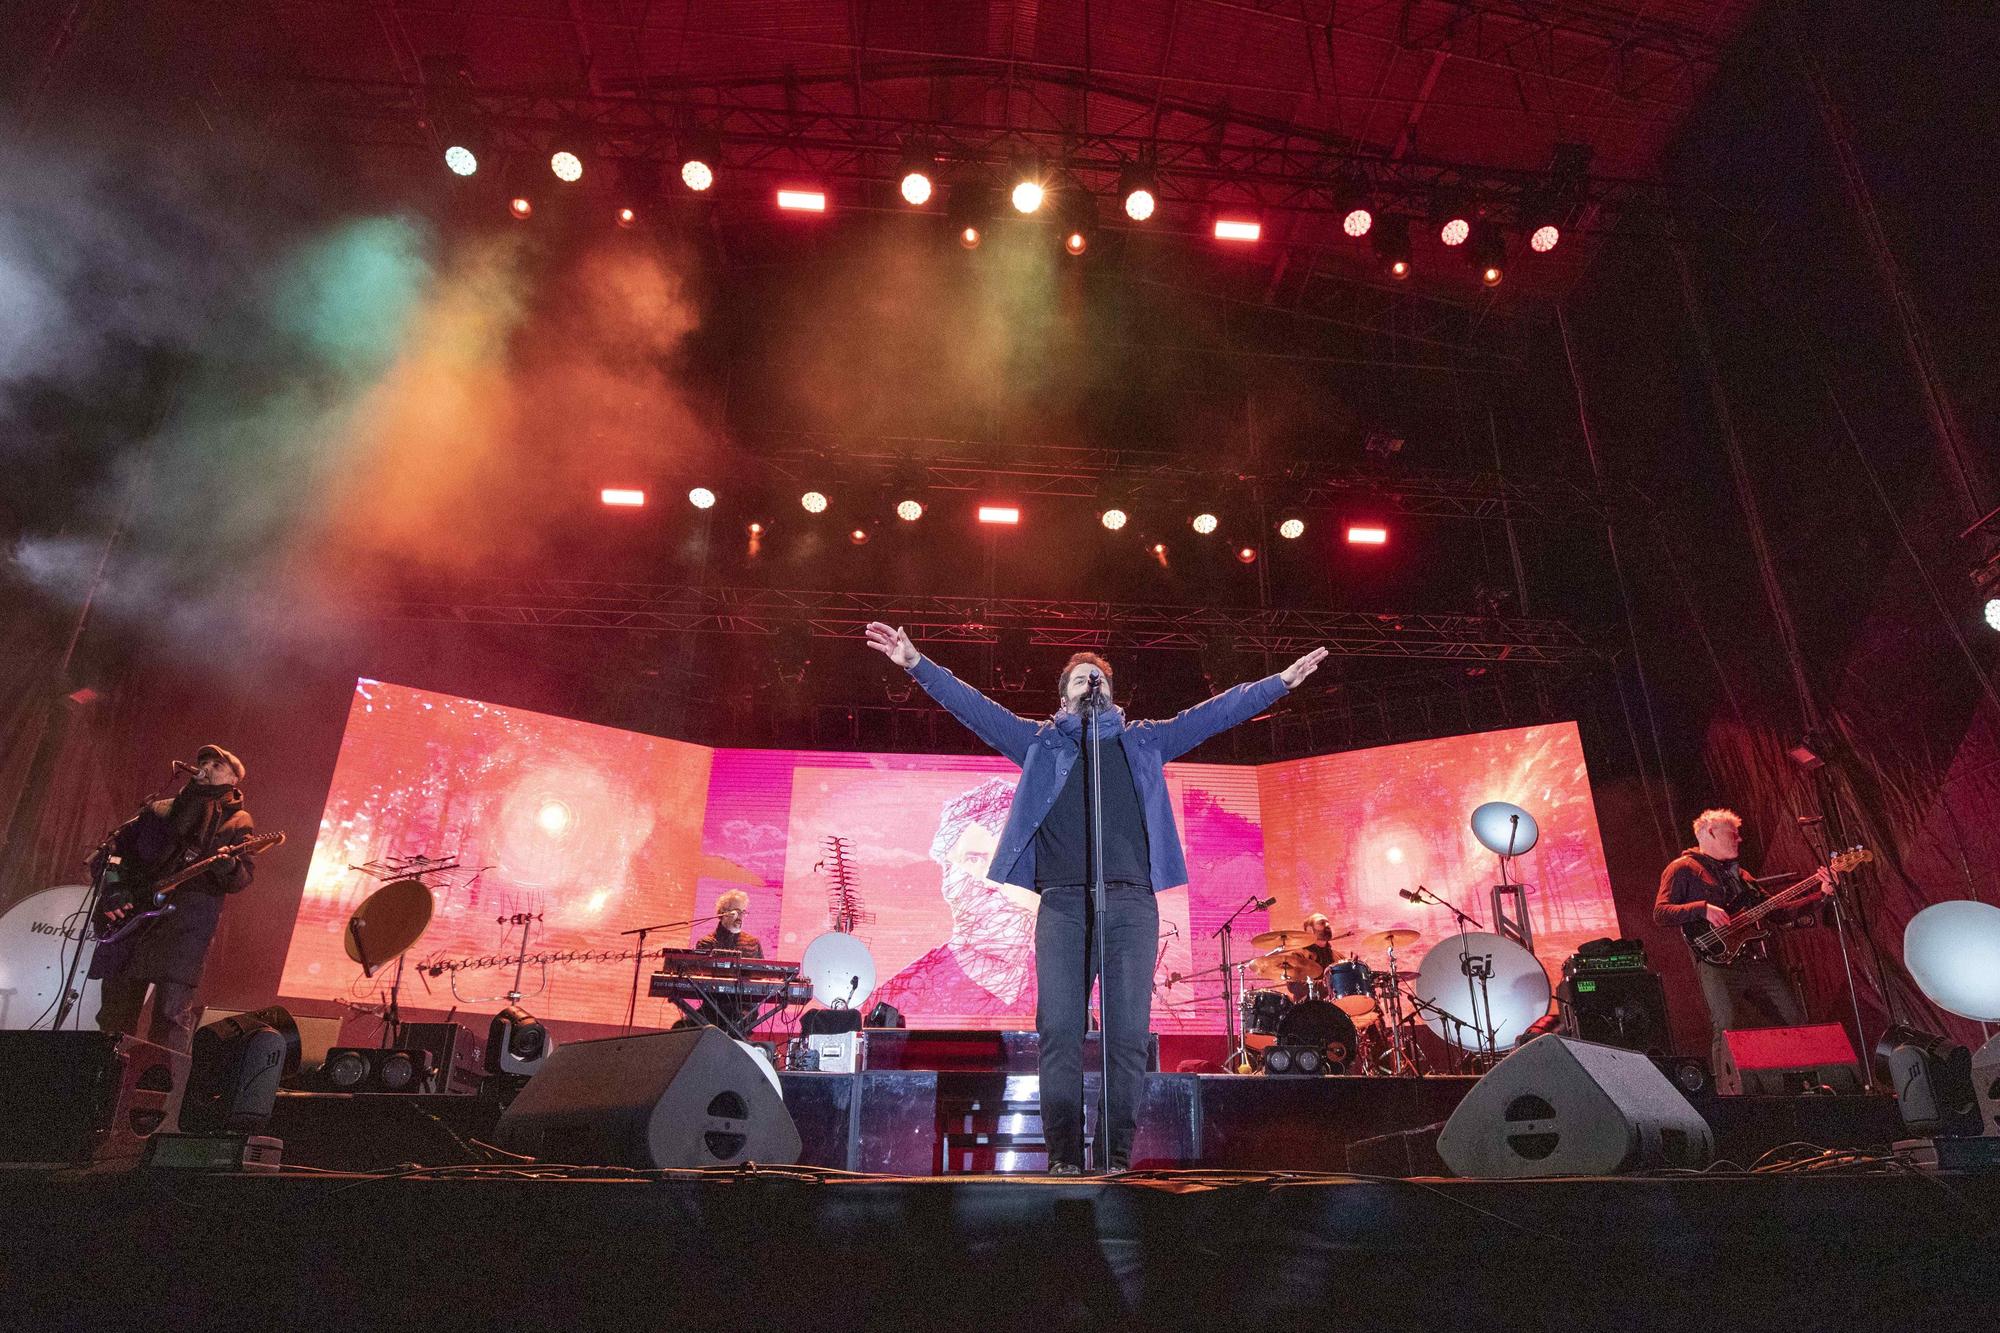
1367,534
859,536
520,207
1237,229
969,238
1247,554
622,498
1076,243
756,529
1400,269
999,514
626,217
802,201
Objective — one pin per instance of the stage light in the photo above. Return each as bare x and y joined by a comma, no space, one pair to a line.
813,502
462,160
1993,613
627,216
700,156
999,514
1159,548
1367,534
755,529
1350,200
622,497
234,1069
1451,215
916,188
909,510
1392,246
697,175
859,536
1077,217
1237,229
1204,523
521,208
1076,242
802,201
1138,191
1292,529
1247,554
638,185
1027,196
969,237
516,1042
968,209
702,498
1113,519
917,163
1545,238
567,166
1489,253
1454,231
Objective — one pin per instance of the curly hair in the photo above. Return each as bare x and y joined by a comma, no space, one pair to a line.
985,805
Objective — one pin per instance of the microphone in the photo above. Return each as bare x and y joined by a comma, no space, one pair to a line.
183,766
1263,903
1407,896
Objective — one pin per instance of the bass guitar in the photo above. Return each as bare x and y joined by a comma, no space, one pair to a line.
122,908
1723,944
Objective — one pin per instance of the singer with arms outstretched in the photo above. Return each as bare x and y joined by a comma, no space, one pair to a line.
1043,848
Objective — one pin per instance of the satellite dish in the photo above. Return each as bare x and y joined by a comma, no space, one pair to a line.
388,921
1517,990
1953,953
1505,829
38,937
841,970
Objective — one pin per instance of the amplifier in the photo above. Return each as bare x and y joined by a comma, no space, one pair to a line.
82,1096
1781,1060
1625,1009
457,1055
1606,956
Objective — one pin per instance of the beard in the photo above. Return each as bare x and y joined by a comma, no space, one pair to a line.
992,936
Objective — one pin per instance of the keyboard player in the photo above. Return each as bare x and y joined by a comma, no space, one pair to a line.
729,940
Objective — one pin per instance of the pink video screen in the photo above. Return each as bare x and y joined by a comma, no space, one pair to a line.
566,835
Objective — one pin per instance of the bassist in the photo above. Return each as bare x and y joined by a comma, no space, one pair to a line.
167,953
1702,891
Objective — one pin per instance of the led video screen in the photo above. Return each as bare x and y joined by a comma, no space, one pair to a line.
567,835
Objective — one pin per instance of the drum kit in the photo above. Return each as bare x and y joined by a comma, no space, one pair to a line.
1346,1008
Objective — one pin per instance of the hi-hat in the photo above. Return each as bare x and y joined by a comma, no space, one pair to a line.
1286,966
388,921
1399,938
1504,829
1291,939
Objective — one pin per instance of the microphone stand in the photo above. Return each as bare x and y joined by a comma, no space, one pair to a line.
1091,705
1238,1059
1833,898
1475,977
639,956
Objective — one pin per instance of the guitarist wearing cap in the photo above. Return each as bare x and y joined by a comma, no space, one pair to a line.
1706,893
166,953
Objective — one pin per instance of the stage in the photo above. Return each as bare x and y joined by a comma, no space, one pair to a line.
809,1249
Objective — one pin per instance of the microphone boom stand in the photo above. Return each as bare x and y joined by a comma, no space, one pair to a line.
639,956
1092,705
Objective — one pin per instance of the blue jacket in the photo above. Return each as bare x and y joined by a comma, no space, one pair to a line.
1047,750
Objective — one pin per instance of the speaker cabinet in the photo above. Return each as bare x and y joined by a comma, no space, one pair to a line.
1625,1009
1986,1085
76,1097
1562,1107
682,1099
1773,1061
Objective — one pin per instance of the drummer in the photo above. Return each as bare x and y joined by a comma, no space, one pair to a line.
1320,951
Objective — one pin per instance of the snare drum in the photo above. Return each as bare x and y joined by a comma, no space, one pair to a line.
1352,987
1263,1016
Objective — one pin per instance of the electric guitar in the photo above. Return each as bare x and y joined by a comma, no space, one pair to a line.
122,908
1723,944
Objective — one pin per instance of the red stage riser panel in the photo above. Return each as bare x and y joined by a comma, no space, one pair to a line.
600,830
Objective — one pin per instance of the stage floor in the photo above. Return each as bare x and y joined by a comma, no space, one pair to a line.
811,1250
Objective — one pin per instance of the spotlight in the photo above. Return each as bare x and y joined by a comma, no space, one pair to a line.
909,510
1159,548
1138,191
1454,231
1489,253
567,166
1113,519
1027,196
1350,200
1078,216
859,536
1247,554
462,160
234,1070
813,502
918,162
638,187
1367,534
916,187
1076,242
1544,238
626,216
1392,246
1292,529
1008,514
1237,229
702,498
968,236
1204,523
622,497
755,529
700,154
1993,613
1451,216
1541,219
521,207
802,201
968,209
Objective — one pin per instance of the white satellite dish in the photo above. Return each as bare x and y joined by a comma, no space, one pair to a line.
38,937
1953,953
841,969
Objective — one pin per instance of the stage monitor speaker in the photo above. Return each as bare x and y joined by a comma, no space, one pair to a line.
1563,1107
1625,1009
690,1098
1772,1061
1986,1085
75,1097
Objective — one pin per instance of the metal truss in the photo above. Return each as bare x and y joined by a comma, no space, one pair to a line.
684,609
1130,475
795,125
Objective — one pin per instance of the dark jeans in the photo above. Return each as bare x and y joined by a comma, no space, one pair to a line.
173,1018
1750,994
1065,965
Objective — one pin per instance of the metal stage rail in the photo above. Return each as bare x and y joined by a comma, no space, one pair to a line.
684,608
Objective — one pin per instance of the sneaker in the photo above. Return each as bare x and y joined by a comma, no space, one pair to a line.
1065,1169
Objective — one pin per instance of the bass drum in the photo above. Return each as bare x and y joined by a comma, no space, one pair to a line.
1516,990
1323,1026
35,953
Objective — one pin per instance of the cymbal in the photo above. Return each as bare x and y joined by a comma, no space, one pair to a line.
1391,939
1286,965
1291,939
